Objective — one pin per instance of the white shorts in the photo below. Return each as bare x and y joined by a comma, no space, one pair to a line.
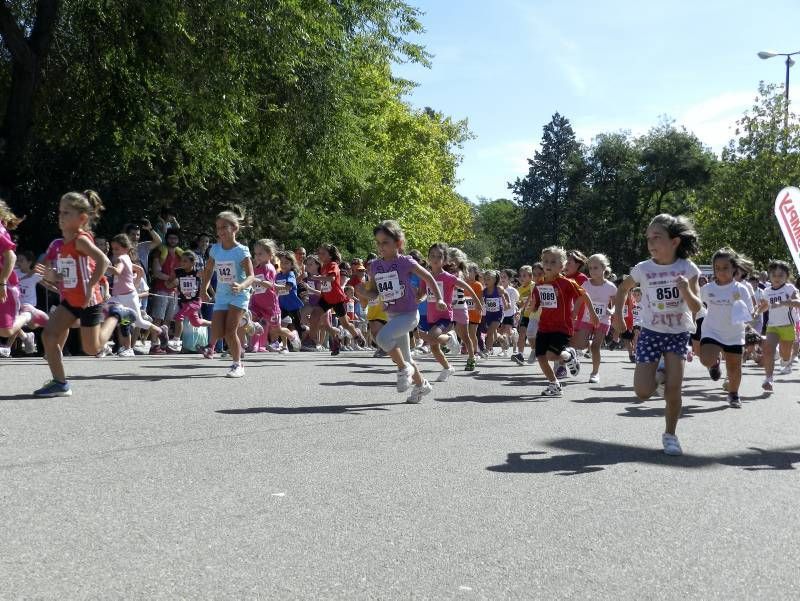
131,301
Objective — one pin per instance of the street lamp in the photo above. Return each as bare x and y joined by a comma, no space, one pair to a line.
765,54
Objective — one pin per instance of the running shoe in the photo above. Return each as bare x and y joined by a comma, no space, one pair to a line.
767,385
28,343
631,357
715,372
5,352
445,373
125,353
734,400
518,359
404,378
786,369
236,371
155,349
163,336
38,317
124,315
553,389
574,362
336,346
726,384
594,378
419,391
208,352
587,354
53,389
470,366
294,342
561,372
671,444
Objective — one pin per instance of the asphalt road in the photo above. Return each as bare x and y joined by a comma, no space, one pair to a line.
311,479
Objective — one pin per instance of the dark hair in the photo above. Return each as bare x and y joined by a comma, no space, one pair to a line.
315,259
130,227
442,248
285,255
173,231
391,229
336,256
726,253
27,254
166,212
188,254
776,265
122,240
510,274
578,256
417,256
679,227
371,257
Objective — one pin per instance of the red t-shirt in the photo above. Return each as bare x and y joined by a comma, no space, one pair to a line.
557,300
76,270
332,292
580,278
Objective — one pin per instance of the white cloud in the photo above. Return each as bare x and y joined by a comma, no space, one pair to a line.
714,120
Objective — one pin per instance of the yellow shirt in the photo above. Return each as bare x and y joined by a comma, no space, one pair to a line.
524,295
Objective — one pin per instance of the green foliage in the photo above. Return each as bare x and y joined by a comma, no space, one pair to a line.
496,225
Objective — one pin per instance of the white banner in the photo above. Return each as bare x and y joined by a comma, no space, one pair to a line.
787,212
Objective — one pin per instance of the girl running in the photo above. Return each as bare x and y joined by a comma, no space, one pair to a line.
286,286
475,313
439,322
507,330
264,303
729,309
670,296
525,275
234,270
495,299
390,278
124,292
780,298
601,293
188,281
457,265
333,297
80,265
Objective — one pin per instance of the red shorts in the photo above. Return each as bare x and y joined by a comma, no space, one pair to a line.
272,320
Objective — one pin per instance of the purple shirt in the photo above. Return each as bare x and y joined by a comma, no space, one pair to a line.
393,282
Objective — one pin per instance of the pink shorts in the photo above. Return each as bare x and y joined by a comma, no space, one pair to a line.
10,308
191,311
601,329
272,320
461,316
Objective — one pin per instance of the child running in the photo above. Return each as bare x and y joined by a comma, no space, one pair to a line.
188,281
439,322
556,295
496,299
780,298
264,303
475,313
602,293
729,307
333,298
234,269
80,265
390,278
670,296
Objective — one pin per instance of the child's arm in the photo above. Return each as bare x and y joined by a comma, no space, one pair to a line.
690,291
430,282
471,293
367,290
247,265
209,269
9,260
101,261
625,287
587,300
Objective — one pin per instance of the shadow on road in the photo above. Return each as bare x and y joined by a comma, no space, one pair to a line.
594,456
383,384
686,411
326,409
492,399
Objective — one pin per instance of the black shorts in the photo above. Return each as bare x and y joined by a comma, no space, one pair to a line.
627,335
89,317
507,321
698,335
733,349
294,316
380,321
523,322
553,342
339,309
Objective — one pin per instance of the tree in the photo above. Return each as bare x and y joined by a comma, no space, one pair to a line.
497,223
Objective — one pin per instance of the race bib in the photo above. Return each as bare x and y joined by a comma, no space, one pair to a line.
326,286
599,309
226,272
547,296
432,296
188,286
664,295
470,302
68,269
388,285
493,305
625,311
351,307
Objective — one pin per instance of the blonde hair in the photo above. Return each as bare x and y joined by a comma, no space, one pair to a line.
87,203
603,260
268,245
526,269
231,217
8,218
557,251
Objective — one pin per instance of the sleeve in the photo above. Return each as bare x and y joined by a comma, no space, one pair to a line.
575,289
6,243
291,281
748,300
245,252
704,294
693,270
412,263
636,273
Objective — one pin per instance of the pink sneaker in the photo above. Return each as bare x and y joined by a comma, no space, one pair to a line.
38,318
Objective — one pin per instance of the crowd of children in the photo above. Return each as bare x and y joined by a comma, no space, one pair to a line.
154,297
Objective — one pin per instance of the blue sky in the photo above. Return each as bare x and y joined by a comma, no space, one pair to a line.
607,65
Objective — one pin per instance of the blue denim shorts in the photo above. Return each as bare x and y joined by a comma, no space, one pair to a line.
652,345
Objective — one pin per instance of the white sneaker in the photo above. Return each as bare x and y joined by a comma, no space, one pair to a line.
532,357
786,369
574,362
418,392
5,352
445,373
553,389
126,352
671,444
594,378
294,342
236,371
404,378
28,343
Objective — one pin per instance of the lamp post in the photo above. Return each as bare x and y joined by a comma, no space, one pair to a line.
765,54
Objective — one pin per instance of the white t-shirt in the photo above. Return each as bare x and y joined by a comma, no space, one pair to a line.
780,316
513,297
27,287
718,323
601,296
663,308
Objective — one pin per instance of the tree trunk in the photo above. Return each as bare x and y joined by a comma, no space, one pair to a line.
27,59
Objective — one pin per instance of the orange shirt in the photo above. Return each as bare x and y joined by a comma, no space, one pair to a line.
76,270
474,313
557,300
